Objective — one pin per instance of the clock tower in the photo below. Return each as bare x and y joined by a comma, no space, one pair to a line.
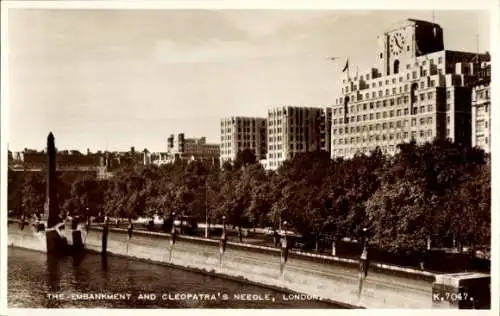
405,41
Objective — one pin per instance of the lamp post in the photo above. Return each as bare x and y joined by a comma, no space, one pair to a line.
223,240
284,248
363,261
206,208
173,235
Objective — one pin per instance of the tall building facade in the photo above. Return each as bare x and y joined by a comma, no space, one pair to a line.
416,90
481,117
239,133
293,130
179,147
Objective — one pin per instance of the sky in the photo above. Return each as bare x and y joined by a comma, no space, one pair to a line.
112,79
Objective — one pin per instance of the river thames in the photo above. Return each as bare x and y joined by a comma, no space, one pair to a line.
91,281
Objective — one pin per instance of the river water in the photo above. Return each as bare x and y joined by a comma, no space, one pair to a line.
36,280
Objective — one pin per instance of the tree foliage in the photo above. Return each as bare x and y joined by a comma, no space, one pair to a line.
438,190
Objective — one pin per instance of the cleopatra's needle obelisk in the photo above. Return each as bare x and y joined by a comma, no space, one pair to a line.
52,205
56,243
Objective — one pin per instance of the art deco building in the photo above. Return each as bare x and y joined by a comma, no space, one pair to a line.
239,133
293,130
481,115
416,90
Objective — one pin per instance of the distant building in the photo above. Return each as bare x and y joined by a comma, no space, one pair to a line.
179,147
239,133
293,130
65,160
417,90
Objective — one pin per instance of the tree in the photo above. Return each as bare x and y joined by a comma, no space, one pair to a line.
244,158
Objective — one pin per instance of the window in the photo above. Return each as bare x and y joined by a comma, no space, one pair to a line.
433,83
378,115
406,111
440,60
391,114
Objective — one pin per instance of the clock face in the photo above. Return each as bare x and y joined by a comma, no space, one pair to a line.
397,42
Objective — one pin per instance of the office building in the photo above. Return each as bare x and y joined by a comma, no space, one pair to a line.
293,130
239,133
179,147
416,90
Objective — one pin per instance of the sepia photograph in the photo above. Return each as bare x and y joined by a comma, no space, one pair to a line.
210,158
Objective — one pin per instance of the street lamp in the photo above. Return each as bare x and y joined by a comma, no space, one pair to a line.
364,255
223,240
284,248
172,240
363,261
206,208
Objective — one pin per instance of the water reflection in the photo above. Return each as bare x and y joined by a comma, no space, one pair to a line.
53,272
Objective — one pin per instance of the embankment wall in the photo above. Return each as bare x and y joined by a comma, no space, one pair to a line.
331,278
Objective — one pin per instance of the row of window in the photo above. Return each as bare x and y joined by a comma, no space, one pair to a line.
388,92
481,95
403,100
384,115
365,150
383,126
275,156
245,122
380,93
408,66
383,137
480,124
